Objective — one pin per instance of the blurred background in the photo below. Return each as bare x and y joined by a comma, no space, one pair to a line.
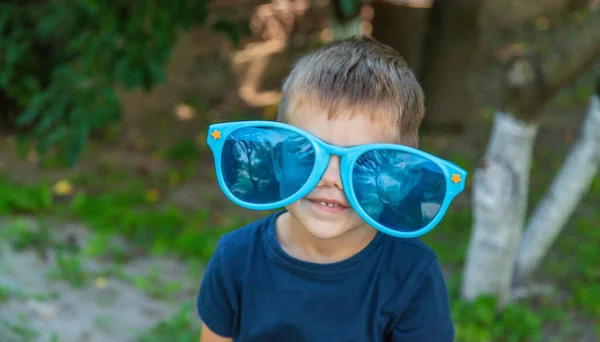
109,206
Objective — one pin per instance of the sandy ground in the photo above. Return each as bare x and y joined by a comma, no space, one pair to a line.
115,307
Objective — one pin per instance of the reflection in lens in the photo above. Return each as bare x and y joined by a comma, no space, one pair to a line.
263,165
399,190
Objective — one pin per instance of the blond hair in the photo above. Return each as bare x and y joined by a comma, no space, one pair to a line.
361,75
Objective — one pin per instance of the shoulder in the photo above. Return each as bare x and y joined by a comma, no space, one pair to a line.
218,297
409,261
422,303
243,243
414,268
244,237
414,246
409,253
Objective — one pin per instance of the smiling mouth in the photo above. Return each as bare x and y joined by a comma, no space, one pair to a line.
331,205
325,203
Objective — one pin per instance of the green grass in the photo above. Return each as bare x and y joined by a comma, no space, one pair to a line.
479,321
181,327
157,227
5,294
19,331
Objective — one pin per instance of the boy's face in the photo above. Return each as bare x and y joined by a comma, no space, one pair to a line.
322,221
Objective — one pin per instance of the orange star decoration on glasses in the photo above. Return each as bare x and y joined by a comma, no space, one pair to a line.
216,134
455,178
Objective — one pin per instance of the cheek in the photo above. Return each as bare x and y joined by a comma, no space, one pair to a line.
294,207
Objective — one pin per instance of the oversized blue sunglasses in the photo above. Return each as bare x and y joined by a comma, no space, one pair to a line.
398,190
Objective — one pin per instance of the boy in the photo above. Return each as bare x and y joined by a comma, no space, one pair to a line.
317,272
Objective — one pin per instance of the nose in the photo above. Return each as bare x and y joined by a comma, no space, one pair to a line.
331,177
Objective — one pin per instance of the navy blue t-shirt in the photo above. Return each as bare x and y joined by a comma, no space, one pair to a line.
392,290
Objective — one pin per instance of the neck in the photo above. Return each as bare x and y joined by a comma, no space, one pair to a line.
300,244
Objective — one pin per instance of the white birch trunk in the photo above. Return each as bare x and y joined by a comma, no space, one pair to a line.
566,191
499,205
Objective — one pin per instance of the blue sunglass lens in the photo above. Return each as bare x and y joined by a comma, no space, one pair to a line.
400,190
264,165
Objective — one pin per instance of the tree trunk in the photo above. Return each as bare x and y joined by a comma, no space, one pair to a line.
403,28
572,182
501,183
440,44
499,201
449,64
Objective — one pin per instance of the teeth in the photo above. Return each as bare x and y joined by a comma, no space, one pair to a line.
328,204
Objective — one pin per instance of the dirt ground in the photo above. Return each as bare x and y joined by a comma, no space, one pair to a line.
110,308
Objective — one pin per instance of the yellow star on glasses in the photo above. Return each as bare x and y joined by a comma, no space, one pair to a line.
216,134
455,178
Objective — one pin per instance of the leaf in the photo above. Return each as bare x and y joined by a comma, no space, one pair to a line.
59,134
47,120
156,71
33,111
147,80
92,7
15,52
80,41
31,83
6,15
76,145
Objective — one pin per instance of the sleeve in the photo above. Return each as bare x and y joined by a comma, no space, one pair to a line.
216,297
427,316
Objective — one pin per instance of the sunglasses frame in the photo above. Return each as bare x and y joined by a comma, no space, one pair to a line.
454,175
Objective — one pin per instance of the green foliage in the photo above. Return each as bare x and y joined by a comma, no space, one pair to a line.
127,211
20,331
61,61
24,236
584,286
182,327
185,149
479,321
69,268
349,7
28,199
5,293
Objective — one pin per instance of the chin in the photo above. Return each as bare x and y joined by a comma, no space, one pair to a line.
324,230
